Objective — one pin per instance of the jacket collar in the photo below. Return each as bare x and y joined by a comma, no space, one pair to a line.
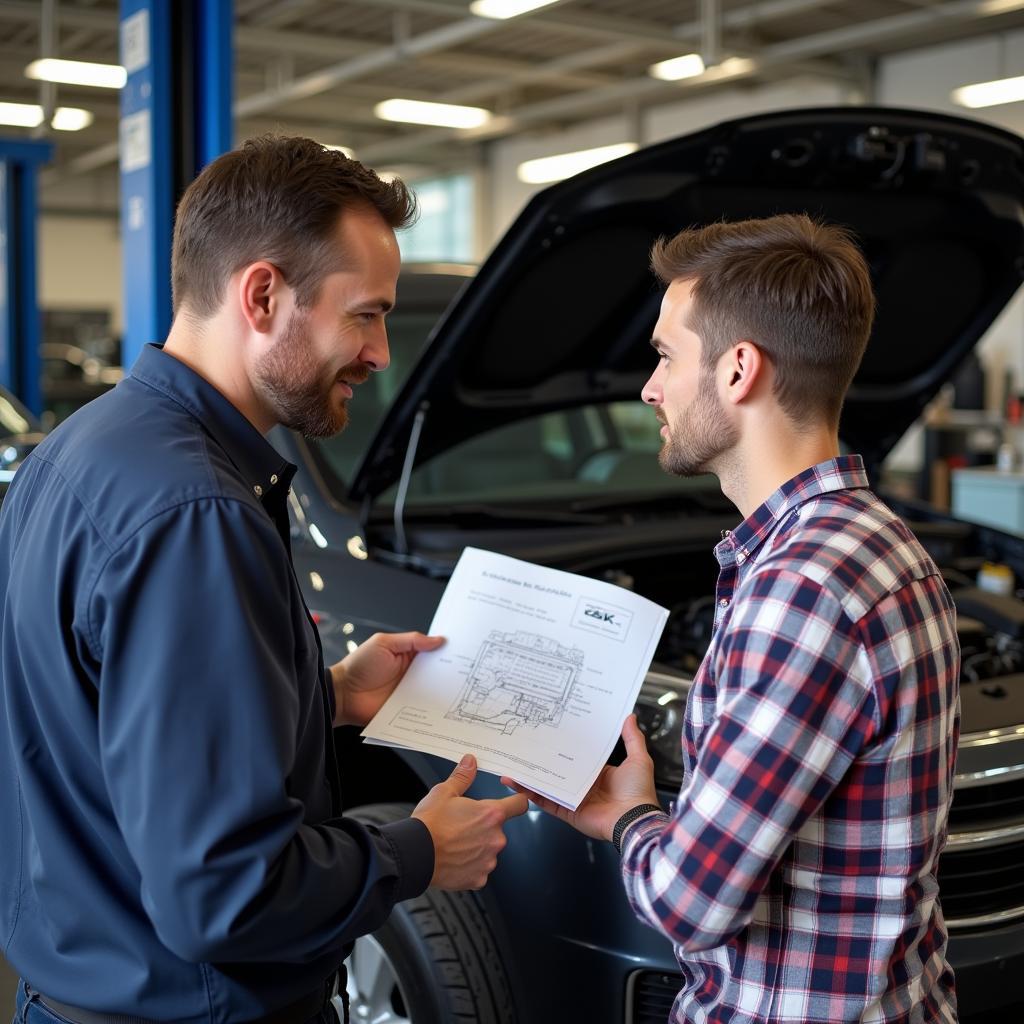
260,464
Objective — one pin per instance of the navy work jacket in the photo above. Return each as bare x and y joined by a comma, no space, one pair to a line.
171,844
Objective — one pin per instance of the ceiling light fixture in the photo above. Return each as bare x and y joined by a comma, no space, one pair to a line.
441,115
30,115
565,165
688,66
501,9
77,72
990,94
71,119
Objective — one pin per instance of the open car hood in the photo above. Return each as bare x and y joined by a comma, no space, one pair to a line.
562,311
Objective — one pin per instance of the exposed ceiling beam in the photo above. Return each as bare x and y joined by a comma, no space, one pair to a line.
73,17
641,90
329,77
301,44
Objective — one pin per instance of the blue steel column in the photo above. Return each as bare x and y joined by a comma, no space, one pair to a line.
176,116
147,199
19,306
214,71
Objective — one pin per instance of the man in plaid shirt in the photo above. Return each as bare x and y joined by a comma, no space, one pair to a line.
796,872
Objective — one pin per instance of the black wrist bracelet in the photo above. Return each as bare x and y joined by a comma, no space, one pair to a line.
630,816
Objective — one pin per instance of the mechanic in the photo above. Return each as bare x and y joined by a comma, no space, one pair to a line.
796,872
173,841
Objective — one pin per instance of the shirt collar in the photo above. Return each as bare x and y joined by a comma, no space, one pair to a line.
260,464
840,474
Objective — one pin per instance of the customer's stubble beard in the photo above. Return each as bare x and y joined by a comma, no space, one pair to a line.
702,435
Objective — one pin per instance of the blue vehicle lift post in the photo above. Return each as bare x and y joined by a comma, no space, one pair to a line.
176,116
19,307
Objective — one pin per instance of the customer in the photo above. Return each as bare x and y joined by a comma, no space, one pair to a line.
173,843
796,871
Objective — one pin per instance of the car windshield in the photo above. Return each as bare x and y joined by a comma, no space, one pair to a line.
587,452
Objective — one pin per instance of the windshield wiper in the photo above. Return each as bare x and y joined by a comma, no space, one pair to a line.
485,511
706,501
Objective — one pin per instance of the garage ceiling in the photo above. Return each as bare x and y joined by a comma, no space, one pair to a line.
318,66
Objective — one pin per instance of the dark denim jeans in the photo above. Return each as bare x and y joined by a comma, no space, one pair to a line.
29,1010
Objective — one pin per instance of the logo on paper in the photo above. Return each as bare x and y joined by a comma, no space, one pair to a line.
601,617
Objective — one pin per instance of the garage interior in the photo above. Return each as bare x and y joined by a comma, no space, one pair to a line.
590,80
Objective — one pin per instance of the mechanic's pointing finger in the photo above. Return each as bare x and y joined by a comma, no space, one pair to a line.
512,806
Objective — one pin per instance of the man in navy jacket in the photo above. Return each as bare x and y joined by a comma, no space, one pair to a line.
173,846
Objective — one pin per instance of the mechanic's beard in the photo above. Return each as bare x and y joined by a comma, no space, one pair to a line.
291,383
701,436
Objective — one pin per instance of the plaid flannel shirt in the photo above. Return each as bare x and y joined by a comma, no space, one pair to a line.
796,874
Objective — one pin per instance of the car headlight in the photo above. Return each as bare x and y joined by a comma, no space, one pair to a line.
659,713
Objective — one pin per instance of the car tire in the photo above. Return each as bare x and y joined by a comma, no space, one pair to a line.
441,952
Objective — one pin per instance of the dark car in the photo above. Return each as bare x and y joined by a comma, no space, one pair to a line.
20,432
517,427
72,376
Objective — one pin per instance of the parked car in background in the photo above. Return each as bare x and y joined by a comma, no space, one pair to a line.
20,432
512,422
71,377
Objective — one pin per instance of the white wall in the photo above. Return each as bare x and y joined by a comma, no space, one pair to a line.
80,264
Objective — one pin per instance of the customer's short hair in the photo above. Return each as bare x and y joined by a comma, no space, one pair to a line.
275,198
800,290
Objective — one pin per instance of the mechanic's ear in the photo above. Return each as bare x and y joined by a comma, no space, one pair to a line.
744,365
260,290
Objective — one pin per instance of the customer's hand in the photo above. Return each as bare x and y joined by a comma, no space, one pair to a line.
616,790
468,834
364,679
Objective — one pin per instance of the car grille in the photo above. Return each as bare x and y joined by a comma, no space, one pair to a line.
980,877
980,806
651,995
984,883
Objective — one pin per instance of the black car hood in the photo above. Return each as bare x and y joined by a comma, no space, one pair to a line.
561,313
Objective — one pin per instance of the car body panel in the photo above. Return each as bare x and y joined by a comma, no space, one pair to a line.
372,554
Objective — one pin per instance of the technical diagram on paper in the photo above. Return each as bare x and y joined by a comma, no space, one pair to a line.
518,679
539,670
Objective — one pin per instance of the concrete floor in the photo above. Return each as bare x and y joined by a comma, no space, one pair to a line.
8,984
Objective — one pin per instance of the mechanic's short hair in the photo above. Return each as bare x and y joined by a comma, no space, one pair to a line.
275,198
800,290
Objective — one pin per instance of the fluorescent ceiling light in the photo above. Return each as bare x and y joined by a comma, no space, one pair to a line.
501,9
71,119
78,72
564,165
23,115
731,67
30,115
443,115
989,94
343,150
688,66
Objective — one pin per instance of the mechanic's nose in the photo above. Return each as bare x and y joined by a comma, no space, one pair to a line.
377,355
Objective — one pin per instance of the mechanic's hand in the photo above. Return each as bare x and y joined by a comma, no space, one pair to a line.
364,679
467,833
616,790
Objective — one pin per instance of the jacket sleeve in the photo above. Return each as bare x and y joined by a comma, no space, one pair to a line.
797,709
199,713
